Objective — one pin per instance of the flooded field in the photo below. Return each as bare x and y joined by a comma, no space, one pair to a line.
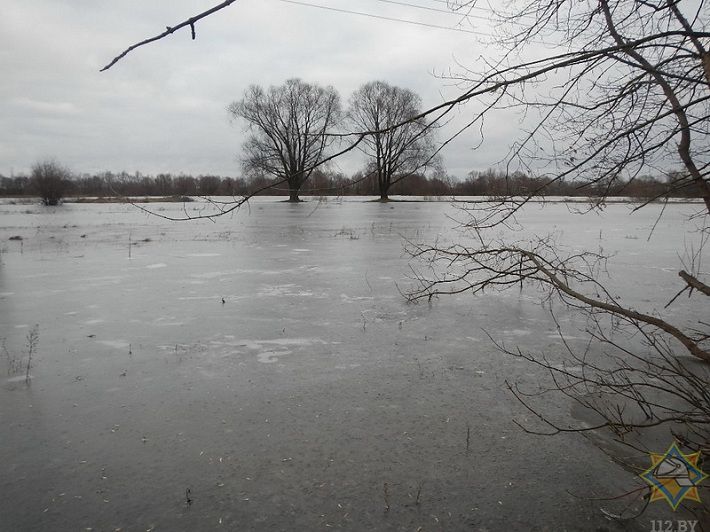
265,372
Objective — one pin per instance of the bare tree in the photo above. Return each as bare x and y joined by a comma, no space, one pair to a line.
393,152
289,126
629,93
50,180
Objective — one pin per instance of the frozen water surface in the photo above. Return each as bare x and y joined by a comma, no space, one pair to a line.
268,363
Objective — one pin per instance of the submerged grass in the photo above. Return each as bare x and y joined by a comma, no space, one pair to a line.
16,363
32,341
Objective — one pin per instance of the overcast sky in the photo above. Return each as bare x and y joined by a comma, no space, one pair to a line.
162,108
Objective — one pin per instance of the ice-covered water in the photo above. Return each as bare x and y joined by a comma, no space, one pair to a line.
268,362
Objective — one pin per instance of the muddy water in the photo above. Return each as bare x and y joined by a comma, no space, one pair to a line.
268,363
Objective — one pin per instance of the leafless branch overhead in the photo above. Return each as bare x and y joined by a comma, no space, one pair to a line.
169,30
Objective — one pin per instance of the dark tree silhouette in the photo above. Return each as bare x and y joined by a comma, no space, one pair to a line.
289,127
394,153
50,180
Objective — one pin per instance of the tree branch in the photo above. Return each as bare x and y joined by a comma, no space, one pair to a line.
169,30
633,315
694,282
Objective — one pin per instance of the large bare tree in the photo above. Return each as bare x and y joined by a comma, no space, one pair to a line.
393,152
289,127
625,89
629,90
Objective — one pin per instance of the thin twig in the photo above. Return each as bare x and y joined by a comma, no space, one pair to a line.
169,30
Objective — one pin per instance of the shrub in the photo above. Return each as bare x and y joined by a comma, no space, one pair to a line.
50,181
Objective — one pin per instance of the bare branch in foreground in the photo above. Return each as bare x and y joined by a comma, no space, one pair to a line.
169,30
500,267
694,283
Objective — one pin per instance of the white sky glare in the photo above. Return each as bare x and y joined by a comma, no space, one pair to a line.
163,107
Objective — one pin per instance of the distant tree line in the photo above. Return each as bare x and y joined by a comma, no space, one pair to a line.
293,134
109,184
328,183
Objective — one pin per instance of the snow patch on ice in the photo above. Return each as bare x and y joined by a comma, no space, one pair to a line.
348,299
259,344
269,357
214,275
156,266
109,278
294,341
93,322
517,332
117,344
168,321
284,290
227,273
268,351
204,255
217,298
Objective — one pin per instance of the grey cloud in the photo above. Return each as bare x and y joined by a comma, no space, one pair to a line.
163,107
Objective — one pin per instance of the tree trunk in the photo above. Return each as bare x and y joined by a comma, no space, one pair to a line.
294,186
384,185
